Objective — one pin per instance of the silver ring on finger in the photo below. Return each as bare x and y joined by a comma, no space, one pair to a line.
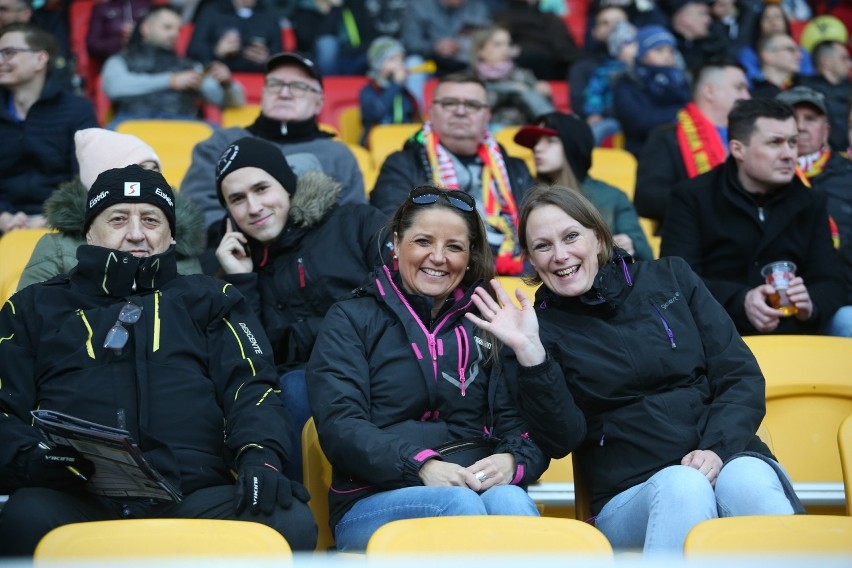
481,476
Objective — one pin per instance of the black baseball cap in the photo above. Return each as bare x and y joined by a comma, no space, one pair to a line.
294,58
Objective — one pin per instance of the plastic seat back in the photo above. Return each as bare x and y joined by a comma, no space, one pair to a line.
141,538
808,395
844,442
616,167
316,476
16,248
770,535
489,535
172,140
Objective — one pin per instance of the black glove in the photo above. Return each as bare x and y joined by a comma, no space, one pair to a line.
261,485
54,467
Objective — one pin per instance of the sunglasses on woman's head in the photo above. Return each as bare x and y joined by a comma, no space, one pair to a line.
427,194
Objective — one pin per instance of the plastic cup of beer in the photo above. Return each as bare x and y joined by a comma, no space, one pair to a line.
778,275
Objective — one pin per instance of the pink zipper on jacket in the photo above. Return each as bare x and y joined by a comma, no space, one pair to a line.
430,337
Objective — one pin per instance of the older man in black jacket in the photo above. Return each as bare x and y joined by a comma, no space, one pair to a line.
753,210
179,362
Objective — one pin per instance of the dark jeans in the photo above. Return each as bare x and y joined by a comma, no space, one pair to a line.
294,393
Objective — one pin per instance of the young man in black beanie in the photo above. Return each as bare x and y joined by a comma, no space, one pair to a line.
292,252
126,342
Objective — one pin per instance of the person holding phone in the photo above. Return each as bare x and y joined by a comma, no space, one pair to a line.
292,252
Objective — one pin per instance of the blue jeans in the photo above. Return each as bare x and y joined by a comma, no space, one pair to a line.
656,515
294,394
367,515
841,323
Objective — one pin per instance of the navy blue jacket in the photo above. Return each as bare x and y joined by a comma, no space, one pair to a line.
37,155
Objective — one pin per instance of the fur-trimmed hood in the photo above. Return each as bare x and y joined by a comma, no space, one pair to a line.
316,194
65,211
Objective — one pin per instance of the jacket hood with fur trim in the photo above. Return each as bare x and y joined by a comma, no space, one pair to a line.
316,194
65,211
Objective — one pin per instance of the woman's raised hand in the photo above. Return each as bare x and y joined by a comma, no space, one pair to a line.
516,327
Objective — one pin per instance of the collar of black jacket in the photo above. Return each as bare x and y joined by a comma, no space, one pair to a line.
114,273
295,131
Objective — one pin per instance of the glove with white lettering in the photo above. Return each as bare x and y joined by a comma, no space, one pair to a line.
261,486
59,467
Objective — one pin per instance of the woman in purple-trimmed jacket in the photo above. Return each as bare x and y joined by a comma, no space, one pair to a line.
398,375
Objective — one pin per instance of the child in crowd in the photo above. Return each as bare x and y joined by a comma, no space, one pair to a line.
654,91
514,94
385,100
599,109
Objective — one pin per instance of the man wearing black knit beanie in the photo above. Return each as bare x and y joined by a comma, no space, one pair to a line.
292,254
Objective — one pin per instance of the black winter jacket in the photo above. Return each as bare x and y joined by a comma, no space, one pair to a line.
324,253
727,236
641,370
194,385
660,167
386,387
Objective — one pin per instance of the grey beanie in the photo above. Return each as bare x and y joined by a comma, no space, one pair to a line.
622,34
382,49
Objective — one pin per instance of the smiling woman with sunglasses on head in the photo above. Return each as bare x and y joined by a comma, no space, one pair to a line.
398,374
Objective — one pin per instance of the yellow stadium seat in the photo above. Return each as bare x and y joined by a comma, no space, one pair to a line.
240,116
172,140
808,395
146,538
365,163
511,283
351,126
16,248
316,476
490,534
649,227
616,167
330,128
506,138
775,535
384,139
844,442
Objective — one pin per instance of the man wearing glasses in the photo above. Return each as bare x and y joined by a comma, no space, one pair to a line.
38,120
455,150
292,99
180,362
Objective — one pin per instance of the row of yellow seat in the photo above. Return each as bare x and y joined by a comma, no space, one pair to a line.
533,537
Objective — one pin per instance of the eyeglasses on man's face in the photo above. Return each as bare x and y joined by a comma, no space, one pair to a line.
428,194
118,335
298,88
454,105
8,53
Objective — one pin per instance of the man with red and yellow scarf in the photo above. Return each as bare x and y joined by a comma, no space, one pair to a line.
819,166
455,150
696,143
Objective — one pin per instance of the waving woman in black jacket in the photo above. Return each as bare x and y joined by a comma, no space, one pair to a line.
641,373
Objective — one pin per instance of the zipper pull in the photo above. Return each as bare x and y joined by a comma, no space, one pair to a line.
301,273
601,443
760,214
